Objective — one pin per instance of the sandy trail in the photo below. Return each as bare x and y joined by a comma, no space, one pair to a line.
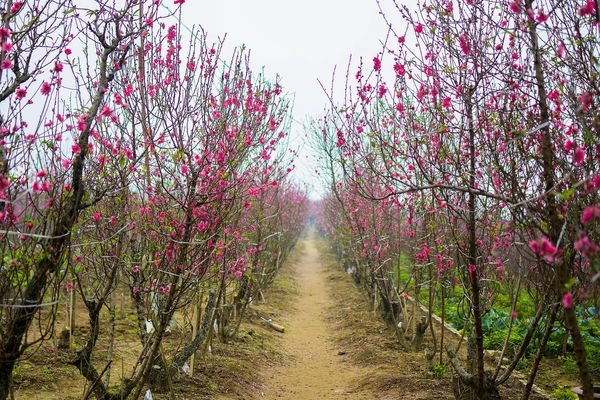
315,371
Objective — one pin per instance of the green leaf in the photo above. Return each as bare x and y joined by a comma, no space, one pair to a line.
567,194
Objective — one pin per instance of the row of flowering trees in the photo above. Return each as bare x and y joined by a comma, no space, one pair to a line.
133,158
478,163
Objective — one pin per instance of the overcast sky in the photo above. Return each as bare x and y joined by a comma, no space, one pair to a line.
301,40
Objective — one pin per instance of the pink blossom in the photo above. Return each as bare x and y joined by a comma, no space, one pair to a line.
68,51
419,28
82,122
69,286
76,149
579,156
464,44
569,145
541,17
6,64
58,67
16,7
4,34
41,174
589,8
560,51
585,99
399,68
376,64
166,289
472,269
586,247
515,6
136,269
567,300
513,314
7,46
590,213
446,102
542,247
45,90
106,111
554,95
97,216
20,93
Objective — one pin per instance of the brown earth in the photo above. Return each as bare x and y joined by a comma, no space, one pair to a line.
334,347
316,369
337,348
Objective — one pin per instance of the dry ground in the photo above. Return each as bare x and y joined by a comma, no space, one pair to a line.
333,347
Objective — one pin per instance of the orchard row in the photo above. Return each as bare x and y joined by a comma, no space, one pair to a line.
135,157
464,170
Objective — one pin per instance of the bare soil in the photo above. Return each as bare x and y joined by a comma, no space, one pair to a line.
334,347
316,368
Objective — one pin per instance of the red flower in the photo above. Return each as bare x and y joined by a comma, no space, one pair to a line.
542,247
541,17
515,6
590,213
6,64
399,68
419,28
20,93
376,64
45,90
446,102
569,145
16,7
472,269
560,51
585,99
579,156
567,300
589,8
4,34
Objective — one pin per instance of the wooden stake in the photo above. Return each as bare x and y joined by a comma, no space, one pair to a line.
196,311
71,316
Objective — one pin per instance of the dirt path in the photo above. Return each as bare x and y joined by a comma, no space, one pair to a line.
315,370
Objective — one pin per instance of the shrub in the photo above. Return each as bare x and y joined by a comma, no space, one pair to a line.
563,393
438,371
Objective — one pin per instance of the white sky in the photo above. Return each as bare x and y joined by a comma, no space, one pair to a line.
301,40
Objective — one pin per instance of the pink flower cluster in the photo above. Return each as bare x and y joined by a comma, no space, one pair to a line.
543,248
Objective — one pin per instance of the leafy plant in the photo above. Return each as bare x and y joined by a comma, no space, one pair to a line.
438,371
563,393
